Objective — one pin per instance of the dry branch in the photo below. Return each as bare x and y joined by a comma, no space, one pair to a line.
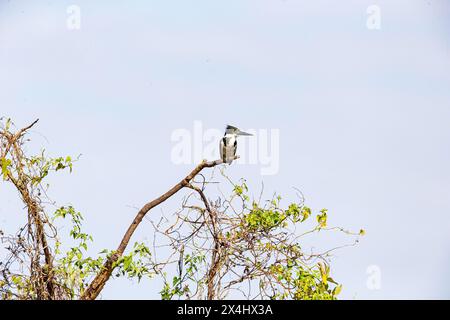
97,284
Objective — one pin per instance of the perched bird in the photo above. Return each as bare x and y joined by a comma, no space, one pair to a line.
228,144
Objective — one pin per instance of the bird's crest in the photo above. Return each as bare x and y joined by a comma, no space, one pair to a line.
231,128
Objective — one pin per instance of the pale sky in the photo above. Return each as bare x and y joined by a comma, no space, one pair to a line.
363,116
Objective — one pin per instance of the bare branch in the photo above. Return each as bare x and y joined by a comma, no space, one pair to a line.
96,286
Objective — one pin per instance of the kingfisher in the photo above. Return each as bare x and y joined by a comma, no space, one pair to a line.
228,144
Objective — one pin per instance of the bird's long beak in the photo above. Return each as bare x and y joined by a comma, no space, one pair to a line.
242,133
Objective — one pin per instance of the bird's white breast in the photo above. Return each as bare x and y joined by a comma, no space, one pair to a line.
231,139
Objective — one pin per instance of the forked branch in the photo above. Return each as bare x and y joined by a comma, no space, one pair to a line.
97,284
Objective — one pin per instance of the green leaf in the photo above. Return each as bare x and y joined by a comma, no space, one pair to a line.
337,290
8,124
322,218
306,212
5,167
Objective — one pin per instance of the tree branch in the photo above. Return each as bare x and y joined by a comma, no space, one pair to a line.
11,139
104,274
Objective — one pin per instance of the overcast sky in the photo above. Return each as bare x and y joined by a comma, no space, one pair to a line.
363,116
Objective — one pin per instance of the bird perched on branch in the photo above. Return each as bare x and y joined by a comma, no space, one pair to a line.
228,144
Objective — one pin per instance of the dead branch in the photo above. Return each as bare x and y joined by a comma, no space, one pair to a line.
97,284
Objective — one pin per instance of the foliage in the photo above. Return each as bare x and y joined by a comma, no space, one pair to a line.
246,244
63,273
